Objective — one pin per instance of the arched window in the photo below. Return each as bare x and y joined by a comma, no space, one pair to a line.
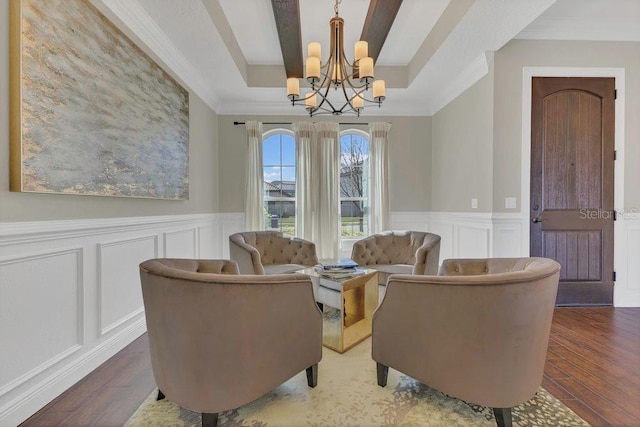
354,183
279,175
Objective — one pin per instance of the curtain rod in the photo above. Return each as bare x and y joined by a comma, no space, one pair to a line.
289,123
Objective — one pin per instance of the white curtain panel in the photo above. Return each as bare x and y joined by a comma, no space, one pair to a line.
253,205
379,177
306,179
327,234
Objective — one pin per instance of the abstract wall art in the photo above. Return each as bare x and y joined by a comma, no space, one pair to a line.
90,112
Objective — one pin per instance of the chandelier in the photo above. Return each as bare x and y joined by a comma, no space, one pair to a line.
352,79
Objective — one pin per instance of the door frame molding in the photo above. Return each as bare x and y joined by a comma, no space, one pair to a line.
619,247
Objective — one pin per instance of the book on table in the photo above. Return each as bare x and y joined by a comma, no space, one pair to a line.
338,264
339,268
342,274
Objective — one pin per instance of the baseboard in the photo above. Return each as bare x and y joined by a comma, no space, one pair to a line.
29,402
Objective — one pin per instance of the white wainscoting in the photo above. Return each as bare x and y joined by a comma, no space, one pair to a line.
230,223
70,295
509,230
118,301
627,287
464,235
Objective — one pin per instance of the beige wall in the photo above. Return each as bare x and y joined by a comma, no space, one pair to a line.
35,207
462,151
509,63
409,158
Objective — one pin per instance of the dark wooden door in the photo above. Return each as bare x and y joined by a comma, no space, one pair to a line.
572,172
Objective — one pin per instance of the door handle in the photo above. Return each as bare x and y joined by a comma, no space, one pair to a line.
536,219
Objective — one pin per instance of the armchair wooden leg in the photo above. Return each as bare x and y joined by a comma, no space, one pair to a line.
209,420
160,395
503,417
312,375
383,372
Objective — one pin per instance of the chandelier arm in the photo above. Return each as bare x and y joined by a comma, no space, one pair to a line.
373,101
315,91
363,86
326,99
325,80
349,101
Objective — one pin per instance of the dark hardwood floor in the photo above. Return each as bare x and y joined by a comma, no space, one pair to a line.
107,396
593,366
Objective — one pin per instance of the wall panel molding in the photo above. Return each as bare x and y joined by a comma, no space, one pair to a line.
181,243
32,273
463,234
229,223
90,306
627,286
633,248
508,232
208,238
12,233
119,294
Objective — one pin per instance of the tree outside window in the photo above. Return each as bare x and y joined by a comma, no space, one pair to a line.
354,184
279,175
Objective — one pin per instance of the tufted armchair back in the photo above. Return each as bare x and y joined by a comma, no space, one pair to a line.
391,247
253,250
418,249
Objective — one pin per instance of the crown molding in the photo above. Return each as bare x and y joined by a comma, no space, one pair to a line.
476,70
133,16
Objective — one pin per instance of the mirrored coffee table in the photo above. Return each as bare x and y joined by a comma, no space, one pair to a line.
347,305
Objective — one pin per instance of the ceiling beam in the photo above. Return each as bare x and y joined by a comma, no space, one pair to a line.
287,15
380,17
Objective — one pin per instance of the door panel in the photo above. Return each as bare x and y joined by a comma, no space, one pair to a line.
572,169
577,251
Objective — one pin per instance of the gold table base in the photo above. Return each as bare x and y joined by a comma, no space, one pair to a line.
347,322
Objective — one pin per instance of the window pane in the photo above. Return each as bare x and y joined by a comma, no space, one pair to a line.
289,181
288,150
345,143
281,216
272,176
279,174
351,182
354,218
354,169
288,218
351,166
271,151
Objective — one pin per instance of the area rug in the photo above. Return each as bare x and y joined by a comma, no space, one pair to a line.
347,394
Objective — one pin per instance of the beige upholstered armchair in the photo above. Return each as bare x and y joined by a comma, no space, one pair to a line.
219,340
271,252
479,331
398,252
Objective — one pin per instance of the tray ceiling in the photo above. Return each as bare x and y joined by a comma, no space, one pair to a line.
228,52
